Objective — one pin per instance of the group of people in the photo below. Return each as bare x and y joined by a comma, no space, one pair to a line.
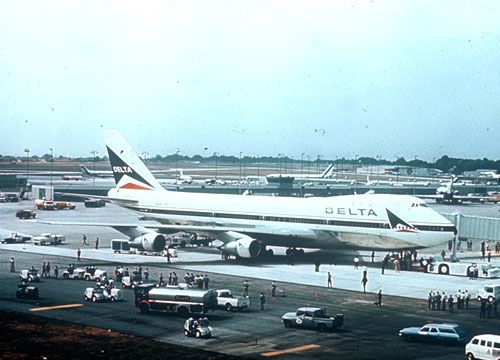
172,279
198,280
441,301
46,270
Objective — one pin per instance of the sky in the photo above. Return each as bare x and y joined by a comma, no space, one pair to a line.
413,79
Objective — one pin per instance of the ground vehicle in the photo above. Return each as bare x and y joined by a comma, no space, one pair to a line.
45,205
197,328
171,251
30,275
94,203
25,214
174,300
463,269
94,274
485,346
27,292
448,333
15,238
488,292
120,245
99,294
48,239
181,239
73,273
11,198
131,281
61,205
226,300
312,318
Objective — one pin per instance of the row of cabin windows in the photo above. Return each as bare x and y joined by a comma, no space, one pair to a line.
289,219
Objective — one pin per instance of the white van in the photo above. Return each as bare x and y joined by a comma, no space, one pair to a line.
483,347
488,292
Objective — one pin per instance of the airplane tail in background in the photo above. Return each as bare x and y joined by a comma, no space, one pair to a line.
128,169
327,172
85,170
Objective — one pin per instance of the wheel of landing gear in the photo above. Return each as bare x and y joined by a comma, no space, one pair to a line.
270,252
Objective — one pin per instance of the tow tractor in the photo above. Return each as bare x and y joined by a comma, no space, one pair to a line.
131,281
94,274
73,273
197,328
27,292
103,294
31,275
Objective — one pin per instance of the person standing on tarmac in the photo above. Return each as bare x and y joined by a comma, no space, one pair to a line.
329,280
262,299
356,262
12,264
56,272
78,253
245,288
47,270
379,298
96,243
273,289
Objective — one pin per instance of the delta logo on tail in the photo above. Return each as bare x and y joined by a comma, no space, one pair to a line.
120,169
398,224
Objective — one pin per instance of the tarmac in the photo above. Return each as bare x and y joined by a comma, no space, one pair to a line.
410,284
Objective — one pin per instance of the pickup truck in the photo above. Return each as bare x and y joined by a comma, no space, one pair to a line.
312,318
48,239
227,301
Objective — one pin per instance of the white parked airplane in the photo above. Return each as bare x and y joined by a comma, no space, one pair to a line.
303,177
246,224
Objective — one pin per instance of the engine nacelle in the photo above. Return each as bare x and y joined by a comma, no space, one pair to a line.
149,242
245,247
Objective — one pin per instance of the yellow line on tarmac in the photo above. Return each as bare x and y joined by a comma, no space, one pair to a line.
67,306
291,350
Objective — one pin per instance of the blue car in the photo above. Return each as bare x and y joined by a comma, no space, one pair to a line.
440,333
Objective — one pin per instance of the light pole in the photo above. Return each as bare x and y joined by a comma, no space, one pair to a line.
414,174
27,151
241,152
177,160
301,165
94,152
378,168
145,157
51,161
216,154
308,165
279,161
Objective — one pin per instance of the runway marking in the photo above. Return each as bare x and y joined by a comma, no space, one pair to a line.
291,350
67,306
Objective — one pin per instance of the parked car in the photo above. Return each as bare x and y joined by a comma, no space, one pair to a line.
100,294
485,346
25,214
31,275
197,328
312,318
447,333
27,292
45,204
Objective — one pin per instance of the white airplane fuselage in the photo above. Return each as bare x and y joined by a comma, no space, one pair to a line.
353,221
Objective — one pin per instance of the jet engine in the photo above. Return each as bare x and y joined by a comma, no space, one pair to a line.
244,247
149,242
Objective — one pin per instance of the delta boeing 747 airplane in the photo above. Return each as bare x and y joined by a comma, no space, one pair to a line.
247,224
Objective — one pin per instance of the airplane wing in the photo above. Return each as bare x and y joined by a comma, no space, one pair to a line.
98,197
454,198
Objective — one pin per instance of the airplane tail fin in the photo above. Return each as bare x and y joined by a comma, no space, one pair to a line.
84,169
327,172
128,169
